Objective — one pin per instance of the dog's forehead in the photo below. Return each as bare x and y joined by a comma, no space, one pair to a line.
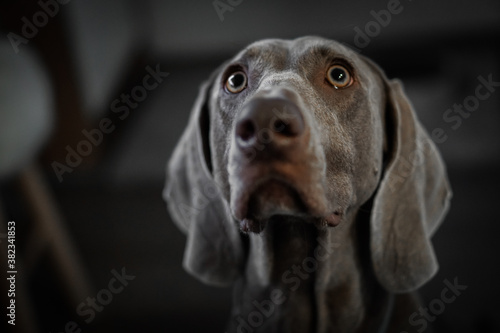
278,52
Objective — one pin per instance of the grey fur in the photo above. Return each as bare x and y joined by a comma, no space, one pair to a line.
363,154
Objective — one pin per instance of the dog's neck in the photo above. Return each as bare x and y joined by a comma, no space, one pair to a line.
320,273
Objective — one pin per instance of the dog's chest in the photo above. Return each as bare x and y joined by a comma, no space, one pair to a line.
281,262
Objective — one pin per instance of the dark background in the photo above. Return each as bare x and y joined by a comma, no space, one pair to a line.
92,51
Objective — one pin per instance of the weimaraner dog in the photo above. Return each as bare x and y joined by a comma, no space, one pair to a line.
306,182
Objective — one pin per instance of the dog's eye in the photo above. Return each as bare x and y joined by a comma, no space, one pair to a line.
236,82
339,76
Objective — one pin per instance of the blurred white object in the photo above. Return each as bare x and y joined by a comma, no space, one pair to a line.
26,108
103,37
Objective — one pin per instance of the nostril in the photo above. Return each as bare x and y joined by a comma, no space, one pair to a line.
290,127
245,131
280,126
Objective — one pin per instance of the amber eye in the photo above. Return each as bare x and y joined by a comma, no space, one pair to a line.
236,82
339,76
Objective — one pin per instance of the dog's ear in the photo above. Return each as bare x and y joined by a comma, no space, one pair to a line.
214,251
411,201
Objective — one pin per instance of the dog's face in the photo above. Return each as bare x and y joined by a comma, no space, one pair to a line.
306,128
296,128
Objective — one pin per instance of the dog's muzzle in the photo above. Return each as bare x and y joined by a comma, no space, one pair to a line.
275,167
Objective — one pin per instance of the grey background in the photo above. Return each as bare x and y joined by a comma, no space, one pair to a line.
114,210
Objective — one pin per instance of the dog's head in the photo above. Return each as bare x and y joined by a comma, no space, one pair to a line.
307,128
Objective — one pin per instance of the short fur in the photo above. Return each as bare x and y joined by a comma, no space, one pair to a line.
337,218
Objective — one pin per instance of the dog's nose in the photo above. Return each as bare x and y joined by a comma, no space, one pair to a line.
274,121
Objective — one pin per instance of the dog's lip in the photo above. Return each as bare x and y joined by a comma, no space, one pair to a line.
283,195
312,199
248,225
242,201
333,219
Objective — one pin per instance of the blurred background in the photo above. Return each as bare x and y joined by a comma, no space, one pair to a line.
89,117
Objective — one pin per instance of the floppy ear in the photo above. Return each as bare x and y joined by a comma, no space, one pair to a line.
213,253
411,201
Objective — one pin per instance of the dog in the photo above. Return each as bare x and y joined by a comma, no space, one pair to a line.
305,181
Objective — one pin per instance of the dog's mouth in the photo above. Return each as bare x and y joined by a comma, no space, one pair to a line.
261,200
274,197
